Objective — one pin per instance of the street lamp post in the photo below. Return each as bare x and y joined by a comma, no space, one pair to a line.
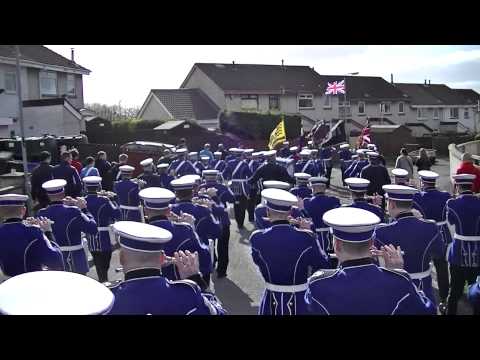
22,131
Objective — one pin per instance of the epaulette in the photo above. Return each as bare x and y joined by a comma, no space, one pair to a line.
322,275
190,283
112,284
306,231
430,221
399,272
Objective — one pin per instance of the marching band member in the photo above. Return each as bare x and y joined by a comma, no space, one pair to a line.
127,192
222,196
206,226
474,296
193,158
144,290
318,205
284,151
357,166
305,164
181,166
400,177
301,190
218,163
203,164
358,188
261,219
351,166
156,203
165,178
358,286
285,255
148,175
105,212
70,218
326,153
463,212
25,245
54,293
345,156
254,199
238,172
431,202
377,175
420,239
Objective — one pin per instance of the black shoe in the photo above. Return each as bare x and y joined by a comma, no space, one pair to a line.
221,275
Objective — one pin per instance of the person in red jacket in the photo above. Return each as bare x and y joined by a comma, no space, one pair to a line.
75,160
467,167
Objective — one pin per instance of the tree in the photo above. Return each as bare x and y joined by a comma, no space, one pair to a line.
114,112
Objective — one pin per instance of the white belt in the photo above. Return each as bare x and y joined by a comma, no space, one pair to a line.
466,238
125,207
322,229
72,248
420,275
286,288
239,180
103,228
441,222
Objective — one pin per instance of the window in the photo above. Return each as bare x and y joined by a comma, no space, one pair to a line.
70,85
249,102
10,83
401,107
436,114
421,113
361,107
453,113
48,83
466,113
305,101
385,108
274,102
327,103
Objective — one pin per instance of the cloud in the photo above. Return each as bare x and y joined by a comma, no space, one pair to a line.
127,73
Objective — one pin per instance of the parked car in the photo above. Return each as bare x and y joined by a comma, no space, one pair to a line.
141,150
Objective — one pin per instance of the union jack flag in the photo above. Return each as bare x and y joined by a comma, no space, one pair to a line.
336,88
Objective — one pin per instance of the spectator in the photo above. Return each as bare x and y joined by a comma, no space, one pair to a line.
103,167
467,167
67,172
405,162
41,174
114,170
206,152
89,169
76,160
182,144
423,162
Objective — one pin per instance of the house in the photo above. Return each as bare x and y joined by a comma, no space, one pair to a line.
180,104
47,77
369,97
296,90
439,107
260,88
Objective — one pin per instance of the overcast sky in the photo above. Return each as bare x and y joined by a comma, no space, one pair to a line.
126,73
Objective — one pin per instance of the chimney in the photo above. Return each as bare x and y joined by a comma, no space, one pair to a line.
391,79
233,62
282,62
425,82
73,54
428,82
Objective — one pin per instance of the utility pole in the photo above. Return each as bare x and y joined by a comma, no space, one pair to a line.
22,132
